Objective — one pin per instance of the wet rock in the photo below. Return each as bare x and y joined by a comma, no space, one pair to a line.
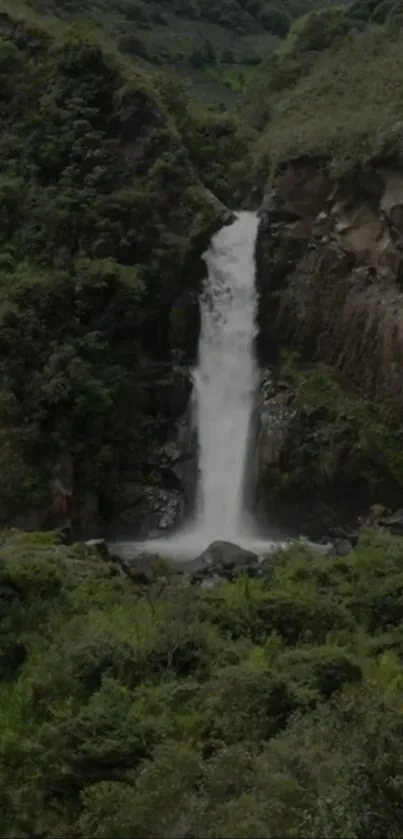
154,510
381,518
224,559
168,392
341,547
177,459
146,569
185,323
394,523
100,546
157,482
276,417
393,189
372,520
210,582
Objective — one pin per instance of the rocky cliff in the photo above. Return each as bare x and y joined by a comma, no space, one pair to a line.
330,272
330,264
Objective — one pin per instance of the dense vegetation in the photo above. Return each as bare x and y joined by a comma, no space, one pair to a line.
337,437
104,216
260,708
315,95
208,40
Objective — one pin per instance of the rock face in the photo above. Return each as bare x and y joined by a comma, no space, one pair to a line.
381,518
330,271
157,484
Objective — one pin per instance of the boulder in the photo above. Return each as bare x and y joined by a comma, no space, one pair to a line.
340,547
224,559
146,569
381,518
394,523
100,546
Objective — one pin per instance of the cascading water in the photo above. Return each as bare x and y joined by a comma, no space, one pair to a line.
225,382
226,379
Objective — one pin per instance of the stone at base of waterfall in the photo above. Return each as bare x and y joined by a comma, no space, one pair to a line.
340,547
225,560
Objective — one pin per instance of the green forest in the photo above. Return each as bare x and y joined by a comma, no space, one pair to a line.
147,705
261,708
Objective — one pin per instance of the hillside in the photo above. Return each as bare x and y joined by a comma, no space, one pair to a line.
104,217
215,44
329,162
316,97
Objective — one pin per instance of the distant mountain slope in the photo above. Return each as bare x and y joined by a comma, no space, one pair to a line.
203,40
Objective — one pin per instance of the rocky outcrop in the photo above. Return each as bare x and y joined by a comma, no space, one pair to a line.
379,517
330,271
157,481
224,560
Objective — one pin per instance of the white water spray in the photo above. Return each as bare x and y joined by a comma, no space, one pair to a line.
225,382
226,379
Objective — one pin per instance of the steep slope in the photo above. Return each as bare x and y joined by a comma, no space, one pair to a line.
103,223
330,260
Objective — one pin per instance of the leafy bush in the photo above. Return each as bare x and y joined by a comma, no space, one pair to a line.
105,732
327,104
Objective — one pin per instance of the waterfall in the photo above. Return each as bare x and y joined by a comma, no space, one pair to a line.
226,379
225,383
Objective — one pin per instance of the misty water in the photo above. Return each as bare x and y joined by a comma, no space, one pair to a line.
225,383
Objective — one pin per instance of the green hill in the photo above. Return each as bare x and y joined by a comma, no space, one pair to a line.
206,41
332,89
